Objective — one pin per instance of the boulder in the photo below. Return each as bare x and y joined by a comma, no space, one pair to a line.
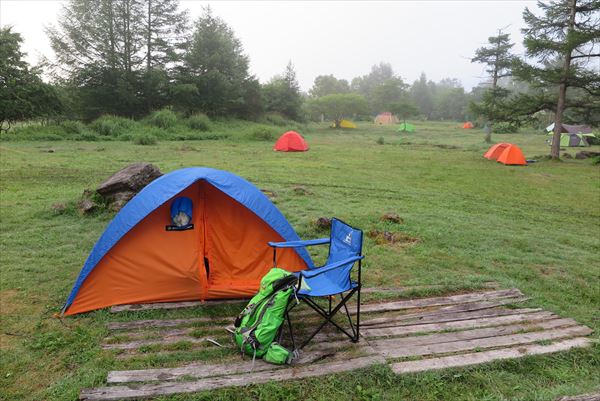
120,187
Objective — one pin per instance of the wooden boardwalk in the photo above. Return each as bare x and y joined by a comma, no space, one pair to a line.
409,335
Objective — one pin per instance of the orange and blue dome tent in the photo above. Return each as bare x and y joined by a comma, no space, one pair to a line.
193,234
506,153
291,141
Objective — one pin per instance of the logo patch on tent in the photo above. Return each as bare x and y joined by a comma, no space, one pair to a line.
348,239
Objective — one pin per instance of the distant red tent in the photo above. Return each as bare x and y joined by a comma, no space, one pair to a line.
291,141
468,125
506,153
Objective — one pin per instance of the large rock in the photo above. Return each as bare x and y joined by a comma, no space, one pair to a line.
120,187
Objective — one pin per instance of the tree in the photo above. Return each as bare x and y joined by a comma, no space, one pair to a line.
328,84
564,40
498,59
404,109
381,87
450,100
23,94
339,105
216,64
118,54
164,29
422,95
282,94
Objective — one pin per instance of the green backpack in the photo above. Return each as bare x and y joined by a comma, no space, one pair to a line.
258,324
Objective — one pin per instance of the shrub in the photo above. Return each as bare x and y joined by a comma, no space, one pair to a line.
74,127
504,128
145,139
87,136
32,132
164,118
112,125
263,134
199,122
275,119
380,141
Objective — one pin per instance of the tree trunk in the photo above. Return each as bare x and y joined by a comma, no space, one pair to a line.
562,92
149,38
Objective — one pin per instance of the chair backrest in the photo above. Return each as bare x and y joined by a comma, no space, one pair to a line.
346,241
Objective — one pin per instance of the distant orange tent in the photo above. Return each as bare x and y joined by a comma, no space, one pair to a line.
291,141
468,125
506,153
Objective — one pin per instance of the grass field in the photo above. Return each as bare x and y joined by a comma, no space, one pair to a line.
536,228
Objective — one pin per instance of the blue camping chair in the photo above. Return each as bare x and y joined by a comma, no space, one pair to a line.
333,278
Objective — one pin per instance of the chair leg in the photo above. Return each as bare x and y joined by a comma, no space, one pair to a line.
329,316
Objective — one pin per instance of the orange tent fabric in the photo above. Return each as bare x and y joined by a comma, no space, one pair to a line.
291,141
512,155
224,256
495,151
468,125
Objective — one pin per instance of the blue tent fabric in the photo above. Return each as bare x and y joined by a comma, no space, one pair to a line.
166,187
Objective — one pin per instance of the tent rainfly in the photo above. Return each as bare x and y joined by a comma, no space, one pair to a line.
468,125
344,124
291,141
406,127
571,129
506,153
386,118
193,234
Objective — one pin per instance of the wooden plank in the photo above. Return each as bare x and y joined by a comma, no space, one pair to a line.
497,331
167,388
389,350
150,323
403,289
457,324
449,313
199,370
582,397
487,356
137,334
158,341
440,301
173,305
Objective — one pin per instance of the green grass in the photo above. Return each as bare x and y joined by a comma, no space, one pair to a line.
536,228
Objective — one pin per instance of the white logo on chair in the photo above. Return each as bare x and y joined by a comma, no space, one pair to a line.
348,239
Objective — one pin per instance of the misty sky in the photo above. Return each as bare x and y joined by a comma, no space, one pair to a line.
340,38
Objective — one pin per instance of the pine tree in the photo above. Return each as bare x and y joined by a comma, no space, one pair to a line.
498,59
282,94
565,40
216,65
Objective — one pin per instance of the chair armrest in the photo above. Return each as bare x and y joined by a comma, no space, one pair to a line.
297,244
320,270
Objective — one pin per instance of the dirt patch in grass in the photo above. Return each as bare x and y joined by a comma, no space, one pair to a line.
392,238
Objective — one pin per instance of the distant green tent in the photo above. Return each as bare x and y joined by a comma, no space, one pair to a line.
571,140
406,127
